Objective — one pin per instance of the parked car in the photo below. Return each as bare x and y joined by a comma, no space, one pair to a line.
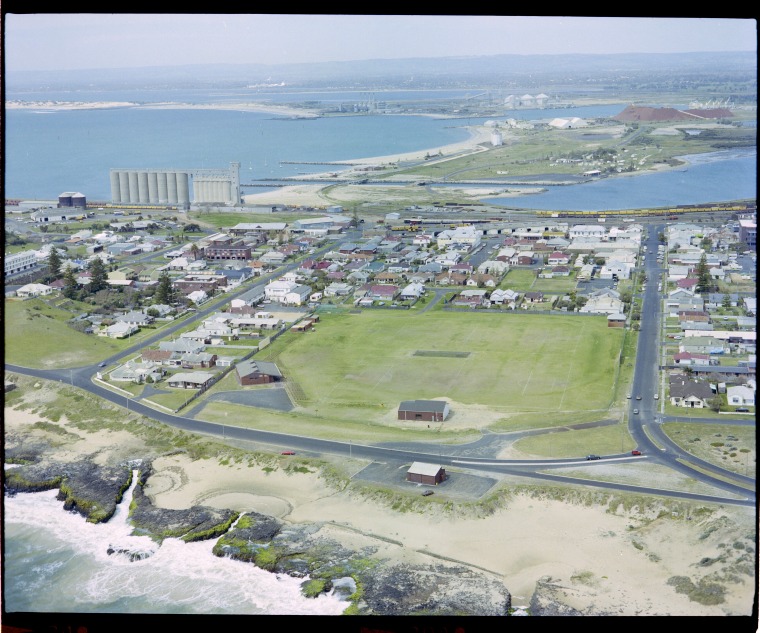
288,453
742,410
629,396
427,493
657,396
638,397
635,452
592,457
635,411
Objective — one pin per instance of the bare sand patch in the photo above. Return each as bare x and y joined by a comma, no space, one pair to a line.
600,559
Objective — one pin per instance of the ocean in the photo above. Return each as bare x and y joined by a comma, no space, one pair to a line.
56,562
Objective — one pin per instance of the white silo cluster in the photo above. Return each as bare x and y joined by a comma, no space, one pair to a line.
156,186
172,187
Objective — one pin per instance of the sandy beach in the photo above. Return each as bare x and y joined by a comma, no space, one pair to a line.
598,559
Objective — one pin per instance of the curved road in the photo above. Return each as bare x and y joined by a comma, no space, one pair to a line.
644,426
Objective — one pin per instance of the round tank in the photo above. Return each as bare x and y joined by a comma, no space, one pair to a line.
64,200
79,200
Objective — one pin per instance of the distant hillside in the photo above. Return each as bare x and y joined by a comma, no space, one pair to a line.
592,72
642,113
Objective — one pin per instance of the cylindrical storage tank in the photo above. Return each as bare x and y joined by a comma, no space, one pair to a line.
142,186
124,186
196,190
134,190
183,190
115,187
171,186
153,187
64,200
79,200
163,192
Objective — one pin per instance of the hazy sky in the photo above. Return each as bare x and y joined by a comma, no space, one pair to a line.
46,41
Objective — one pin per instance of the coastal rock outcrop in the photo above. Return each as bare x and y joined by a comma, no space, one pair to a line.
299,550
194,524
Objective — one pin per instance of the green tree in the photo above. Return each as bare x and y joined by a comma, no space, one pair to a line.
715,403
54,262
192,228
703,275
99,276
164,290
70,285
727,301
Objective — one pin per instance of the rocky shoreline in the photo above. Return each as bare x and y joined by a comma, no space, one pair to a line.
372,586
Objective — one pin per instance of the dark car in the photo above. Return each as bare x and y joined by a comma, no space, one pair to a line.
592,457
742,410
427,493
635,452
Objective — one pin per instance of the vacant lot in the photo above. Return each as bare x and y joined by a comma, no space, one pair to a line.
365,364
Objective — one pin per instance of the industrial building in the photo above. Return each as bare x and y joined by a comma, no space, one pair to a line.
173,186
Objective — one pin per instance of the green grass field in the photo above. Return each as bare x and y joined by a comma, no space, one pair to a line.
365,364
37,335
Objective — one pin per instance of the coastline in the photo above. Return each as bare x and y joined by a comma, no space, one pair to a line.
620,562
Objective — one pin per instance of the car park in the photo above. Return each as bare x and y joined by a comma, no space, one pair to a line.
635,452
592,457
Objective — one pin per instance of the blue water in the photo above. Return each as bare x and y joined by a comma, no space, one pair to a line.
48,152
717,177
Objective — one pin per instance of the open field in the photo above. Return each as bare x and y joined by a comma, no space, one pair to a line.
363,365
37,335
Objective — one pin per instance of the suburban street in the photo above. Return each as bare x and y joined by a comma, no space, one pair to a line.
645,426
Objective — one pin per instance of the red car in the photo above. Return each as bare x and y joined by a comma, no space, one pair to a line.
635,452
288,453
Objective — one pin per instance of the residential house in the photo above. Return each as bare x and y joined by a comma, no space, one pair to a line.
337,289
33,290
119,330
250,372
742,395
380,292
693,394
135,317
687,358
603,301
481,280
423,410
412,291
505,297
191,380
534,297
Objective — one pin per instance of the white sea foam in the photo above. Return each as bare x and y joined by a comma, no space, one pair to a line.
64,560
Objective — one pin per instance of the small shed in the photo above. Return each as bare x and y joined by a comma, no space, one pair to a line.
423,410
428,474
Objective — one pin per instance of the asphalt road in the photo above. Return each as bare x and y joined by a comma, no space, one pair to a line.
644,427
